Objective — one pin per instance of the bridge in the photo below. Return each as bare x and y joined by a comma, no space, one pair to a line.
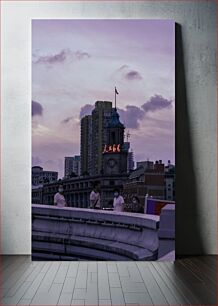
84,234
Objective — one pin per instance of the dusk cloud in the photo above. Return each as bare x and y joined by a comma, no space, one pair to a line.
86,110
128,74
123,67
37,109
131,116
156,102
36,161
49,163
81,55
66,120
61,57
66,55
133,75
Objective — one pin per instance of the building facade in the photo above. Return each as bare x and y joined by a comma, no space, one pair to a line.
145,164
170,177
108,148
37,194
148,179
100,117
72,166
40,176
86,144
77,190
102,133
114,152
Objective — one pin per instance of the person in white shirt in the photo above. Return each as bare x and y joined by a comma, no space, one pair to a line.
95,199
118,201
59,199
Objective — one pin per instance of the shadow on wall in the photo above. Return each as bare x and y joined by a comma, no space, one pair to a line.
189,240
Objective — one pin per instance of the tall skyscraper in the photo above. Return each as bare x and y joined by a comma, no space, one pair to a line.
130,161
86,145
130,157
102,133
72,166
100,117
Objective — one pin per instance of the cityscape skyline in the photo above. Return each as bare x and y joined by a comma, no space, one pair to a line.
64,89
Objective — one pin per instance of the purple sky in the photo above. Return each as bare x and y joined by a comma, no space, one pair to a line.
77,62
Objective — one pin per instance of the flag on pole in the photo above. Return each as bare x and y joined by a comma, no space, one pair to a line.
116,93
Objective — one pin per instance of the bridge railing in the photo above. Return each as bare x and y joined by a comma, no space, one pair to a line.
72,233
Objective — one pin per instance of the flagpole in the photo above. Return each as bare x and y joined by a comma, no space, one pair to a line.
115,98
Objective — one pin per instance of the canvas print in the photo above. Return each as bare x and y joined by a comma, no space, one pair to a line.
103,140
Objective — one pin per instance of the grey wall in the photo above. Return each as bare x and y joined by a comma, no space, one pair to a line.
195,116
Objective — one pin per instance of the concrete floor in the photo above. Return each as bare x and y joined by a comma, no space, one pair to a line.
188,281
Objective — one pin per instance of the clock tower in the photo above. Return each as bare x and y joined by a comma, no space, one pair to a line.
114,152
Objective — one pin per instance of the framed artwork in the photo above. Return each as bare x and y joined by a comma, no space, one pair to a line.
103,139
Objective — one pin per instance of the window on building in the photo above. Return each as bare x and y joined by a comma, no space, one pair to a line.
113,137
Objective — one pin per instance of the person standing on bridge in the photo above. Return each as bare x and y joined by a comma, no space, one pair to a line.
118,201
136,207
59,199
95,200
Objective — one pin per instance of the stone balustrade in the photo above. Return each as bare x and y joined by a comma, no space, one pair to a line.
78,233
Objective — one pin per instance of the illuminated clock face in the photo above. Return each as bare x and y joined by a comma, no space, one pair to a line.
111,162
